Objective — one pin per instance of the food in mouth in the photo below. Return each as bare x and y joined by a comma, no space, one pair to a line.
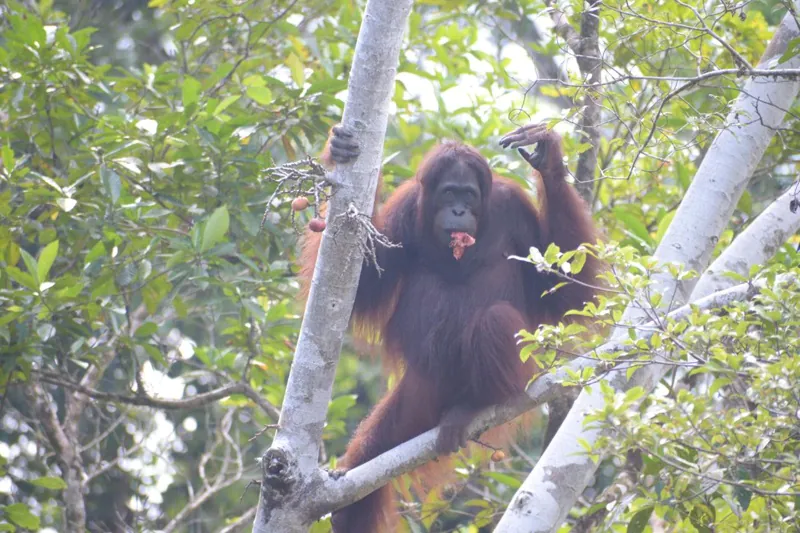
460,242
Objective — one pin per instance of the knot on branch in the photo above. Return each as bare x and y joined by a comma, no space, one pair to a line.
279,471
369,236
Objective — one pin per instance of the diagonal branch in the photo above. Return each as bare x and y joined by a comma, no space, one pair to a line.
562,27
241,523
363,479
229,472
754,246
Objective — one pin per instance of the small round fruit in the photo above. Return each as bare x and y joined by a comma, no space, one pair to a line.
316,225
299,203
498,455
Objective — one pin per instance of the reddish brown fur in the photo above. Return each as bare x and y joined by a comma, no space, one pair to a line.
451,324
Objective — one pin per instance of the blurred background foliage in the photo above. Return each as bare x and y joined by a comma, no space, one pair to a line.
136,138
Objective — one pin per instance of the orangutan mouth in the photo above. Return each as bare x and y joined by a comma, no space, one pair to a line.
460,242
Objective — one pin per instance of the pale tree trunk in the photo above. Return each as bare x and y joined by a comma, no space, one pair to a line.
292,480
542,502
754,246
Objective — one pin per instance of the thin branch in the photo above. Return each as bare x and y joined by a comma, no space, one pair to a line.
241,523
222,479
562,27
737,57
145,400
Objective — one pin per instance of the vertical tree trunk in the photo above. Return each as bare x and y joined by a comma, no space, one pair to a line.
590,64
290,469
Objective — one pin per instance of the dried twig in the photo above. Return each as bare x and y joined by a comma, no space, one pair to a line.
373,238
306,178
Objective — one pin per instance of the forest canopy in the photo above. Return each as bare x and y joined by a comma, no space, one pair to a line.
150,154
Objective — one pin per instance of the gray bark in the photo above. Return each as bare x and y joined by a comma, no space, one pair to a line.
592,66
291,477
64,440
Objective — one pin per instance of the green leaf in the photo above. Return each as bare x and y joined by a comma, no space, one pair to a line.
321,526
50,482
578,262
227,102
155,354
46,258
792,49
145,330
338,407
703,517
191,91
505,479
743,496
745,204
21,515
215,229
31,265
97,251
296,66
111,183
640,520
51,183
254,81
526,351
26,280
483,504
430,509
655,340
634,225
8,158
718,384
262,95
126,275
555,287
663,225
634,394
551,254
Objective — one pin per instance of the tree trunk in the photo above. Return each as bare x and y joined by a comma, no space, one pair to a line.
291,476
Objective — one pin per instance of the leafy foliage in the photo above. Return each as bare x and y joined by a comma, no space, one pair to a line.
135,140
